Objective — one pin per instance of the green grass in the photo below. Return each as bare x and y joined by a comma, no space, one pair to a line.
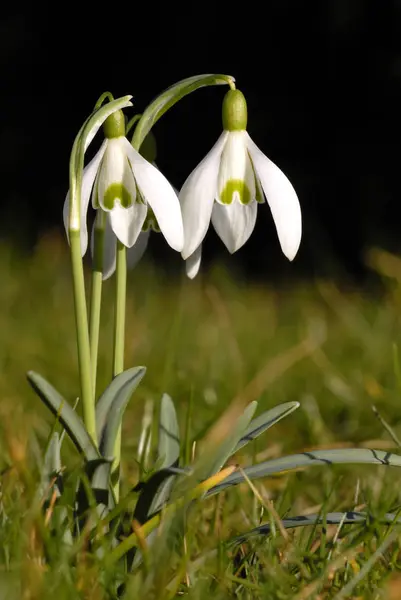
216,341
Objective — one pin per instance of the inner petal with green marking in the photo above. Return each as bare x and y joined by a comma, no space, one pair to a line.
235,189
236,177
116,192
151,222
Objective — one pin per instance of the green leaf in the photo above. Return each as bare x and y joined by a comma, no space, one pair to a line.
171,96
335,518
109,413
51,468
168,453
265,421
112,403
169,434
65,414
212,460
311,459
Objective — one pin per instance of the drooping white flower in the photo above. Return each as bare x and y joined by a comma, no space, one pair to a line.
148,151
227,186
127,188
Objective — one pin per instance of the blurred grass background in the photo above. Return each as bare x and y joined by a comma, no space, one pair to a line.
328,345
221,341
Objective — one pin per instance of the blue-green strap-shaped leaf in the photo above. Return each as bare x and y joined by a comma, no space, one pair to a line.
51,467
115,397
264,421
171,96
109,414
309,459
335,518
213,459
169,434
65,414
168,454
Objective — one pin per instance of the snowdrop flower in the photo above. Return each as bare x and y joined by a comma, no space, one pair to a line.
130,191
227,186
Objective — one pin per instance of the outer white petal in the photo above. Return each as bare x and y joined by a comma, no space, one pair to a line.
159,194
127,222
109,248
234,223
135,253
193,262
197,197
282,199
88,178
115,169
235,166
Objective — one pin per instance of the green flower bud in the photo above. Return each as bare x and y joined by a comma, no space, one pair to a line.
234,112
148,148
114,125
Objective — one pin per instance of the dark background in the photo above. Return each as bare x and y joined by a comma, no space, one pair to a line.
323,84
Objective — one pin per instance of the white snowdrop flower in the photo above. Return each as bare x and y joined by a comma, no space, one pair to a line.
227,186
131,191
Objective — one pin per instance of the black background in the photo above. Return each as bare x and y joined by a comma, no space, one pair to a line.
323,85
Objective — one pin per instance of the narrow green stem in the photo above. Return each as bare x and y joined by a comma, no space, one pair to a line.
119,345
81,320
119,319
96,295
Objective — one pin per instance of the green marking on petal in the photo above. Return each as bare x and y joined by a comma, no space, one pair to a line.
116,191
151,222
235,188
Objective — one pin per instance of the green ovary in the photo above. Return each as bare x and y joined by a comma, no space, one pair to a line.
116,191
232,187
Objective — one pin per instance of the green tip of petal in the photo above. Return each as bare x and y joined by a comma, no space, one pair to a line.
235,189
114,125
116,192
234,112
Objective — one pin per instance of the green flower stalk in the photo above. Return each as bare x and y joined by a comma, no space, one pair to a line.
78,238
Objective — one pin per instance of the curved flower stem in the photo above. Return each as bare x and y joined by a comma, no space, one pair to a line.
96,294
119,344
81,320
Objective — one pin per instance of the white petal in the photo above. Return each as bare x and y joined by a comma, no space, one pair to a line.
236,180
197,197
88,177
127,222
116,183
109,248
234,223
135,253
193,262
159,194
282,199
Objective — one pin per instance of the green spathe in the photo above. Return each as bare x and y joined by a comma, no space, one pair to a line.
116,191
234,111
233,187
114,125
